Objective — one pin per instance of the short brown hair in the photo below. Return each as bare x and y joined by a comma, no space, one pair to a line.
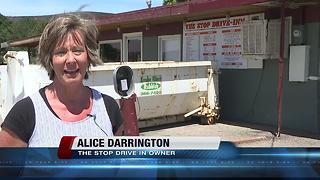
56,30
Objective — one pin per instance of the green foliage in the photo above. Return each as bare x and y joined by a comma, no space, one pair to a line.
5,31
169,2
18,29
26,27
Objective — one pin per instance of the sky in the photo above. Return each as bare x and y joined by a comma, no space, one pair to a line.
48,7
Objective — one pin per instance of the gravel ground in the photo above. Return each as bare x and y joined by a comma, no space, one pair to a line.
241,136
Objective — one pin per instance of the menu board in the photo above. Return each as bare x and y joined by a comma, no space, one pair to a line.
215,40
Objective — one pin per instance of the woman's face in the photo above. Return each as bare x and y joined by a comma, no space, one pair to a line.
70,60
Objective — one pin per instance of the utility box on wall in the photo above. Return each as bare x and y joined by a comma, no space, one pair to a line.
299,63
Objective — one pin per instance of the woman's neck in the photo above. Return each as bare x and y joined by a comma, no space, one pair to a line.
70,93
70,104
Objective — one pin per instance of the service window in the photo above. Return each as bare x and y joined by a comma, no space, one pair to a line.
110,51
132,46
169,48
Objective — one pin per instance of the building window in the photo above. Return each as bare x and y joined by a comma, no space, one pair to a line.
132,47
169,48
110,51
134,50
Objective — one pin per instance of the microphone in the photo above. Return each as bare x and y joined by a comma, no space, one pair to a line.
94,116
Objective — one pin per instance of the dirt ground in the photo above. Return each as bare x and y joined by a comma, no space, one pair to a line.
240,136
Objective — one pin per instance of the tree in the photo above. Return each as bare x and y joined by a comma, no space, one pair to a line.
5,26
5,33
26,27
18,29
169,2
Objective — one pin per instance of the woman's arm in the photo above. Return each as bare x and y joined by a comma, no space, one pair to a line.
9,139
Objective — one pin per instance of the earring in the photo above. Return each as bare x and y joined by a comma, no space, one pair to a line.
86,76
51,65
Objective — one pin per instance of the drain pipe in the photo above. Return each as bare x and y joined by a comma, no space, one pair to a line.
281,68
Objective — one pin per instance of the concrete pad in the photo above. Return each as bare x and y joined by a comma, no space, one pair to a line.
241,136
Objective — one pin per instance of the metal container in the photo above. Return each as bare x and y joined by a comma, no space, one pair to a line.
165,90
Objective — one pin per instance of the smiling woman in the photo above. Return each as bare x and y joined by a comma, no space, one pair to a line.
69,63
67,49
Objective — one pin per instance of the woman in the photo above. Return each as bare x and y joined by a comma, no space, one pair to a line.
67,48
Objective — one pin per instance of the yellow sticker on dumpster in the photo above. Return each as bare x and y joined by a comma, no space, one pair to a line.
151,85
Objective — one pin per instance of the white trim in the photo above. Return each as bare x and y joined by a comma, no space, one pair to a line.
125,38
168,37
111,41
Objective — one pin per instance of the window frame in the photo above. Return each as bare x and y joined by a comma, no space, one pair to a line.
112,41
128,36
168,37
